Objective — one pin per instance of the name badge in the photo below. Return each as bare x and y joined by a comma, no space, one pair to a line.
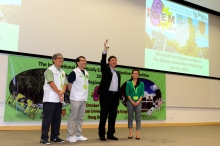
84,86
135,98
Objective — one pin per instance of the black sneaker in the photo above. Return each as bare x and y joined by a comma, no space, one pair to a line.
58,140
43,141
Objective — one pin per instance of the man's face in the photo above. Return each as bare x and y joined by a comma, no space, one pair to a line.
113,62
82,63
58,61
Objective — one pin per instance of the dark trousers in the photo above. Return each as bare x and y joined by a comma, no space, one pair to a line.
108,109
51,117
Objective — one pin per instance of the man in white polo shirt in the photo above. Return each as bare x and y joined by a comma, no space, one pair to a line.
54,88
78,87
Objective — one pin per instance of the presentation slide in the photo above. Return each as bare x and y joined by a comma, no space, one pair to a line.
177,38
152,34
9,24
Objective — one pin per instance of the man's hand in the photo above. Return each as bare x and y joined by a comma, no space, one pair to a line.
106,46
62,98
60,92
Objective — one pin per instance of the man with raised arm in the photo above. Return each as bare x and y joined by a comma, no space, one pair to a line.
109,95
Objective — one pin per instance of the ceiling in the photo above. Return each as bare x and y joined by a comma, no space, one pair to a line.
210,4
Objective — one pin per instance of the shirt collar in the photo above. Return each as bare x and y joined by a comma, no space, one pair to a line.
59,69
112,69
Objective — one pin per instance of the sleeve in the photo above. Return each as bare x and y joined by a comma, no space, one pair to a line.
103,62
127,89
49,76
104,52
72,77
142,89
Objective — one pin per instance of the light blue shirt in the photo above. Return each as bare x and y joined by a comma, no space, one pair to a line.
114,82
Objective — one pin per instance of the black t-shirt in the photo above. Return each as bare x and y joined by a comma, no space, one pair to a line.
72,76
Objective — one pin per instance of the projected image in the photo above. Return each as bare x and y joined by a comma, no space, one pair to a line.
9,24
177,38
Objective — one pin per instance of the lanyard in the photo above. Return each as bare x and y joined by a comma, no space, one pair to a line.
135,89
61,79
84,76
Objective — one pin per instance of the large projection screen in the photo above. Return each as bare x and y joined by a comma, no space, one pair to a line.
177,38
184,40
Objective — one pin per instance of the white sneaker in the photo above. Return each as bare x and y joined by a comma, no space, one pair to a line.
71,139
80,138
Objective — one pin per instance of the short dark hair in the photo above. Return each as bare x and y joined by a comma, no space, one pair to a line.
111,58
78,59
55,56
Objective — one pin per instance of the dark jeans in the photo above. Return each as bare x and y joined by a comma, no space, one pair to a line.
51,117
109,107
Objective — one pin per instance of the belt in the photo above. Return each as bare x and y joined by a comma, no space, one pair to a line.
113,92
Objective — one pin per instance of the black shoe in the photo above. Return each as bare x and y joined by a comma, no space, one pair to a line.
130,137
102,138
138,138
112,137
58,140
43,141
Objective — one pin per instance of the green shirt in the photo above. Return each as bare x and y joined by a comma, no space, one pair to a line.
49,76
134,93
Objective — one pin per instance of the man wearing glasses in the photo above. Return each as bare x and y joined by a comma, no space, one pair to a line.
54,88
78,87
109,89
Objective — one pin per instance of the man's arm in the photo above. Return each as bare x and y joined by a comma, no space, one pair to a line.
65,85
103,61
71,79
54,87
69,86
50,80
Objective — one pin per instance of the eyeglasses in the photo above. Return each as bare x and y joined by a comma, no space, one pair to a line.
82,60
60,58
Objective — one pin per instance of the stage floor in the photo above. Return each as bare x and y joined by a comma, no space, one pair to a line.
150,136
